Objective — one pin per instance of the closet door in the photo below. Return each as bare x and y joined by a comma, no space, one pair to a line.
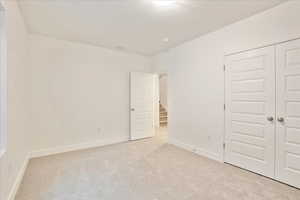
288,112
250,110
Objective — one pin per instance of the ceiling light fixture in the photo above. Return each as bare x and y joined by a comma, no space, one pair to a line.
164,3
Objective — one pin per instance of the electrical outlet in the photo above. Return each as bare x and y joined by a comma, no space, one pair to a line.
99,131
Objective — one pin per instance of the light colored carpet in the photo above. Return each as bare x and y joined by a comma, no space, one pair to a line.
147,169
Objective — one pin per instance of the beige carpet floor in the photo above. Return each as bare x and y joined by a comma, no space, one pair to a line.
147,169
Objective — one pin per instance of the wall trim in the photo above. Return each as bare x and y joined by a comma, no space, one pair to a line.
87,145
58,150
196,150
76,147
3,80
13,192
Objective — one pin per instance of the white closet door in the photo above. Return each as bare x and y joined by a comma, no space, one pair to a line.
250,107
142,105
288,113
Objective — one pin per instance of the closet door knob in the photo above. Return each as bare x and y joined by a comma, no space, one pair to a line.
280,119
270,118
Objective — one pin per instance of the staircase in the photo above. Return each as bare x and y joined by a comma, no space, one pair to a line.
163,116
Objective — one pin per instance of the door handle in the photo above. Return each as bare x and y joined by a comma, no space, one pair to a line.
280,119
270,118
132,109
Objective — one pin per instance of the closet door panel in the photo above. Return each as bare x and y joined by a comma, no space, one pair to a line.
288,113
250,102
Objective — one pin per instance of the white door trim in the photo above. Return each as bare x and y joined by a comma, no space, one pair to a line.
223,67
262,46
277,112
3,80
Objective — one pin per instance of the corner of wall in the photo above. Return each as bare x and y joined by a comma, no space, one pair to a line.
13,191
196,150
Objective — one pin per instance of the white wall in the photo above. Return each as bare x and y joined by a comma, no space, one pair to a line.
80,92
18,99
163,91
195,75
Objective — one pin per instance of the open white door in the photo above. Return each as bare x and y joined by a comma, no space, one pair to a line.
141,105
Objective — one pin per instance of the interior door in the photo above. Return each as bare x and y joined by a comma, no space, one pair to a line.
142,105
250,110
288,112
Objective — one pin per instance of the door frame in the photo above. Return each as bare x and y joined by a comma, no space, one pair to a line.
160,75
3,91
3,80
275,45
223,67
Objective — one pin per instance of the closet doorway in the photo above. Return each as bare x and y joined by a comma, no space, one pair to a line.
262,115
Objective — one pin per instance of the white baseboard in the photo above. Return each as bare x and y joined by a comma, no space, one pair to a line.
208,154
17,183
57,150
68,148
182,145
75,147
194,149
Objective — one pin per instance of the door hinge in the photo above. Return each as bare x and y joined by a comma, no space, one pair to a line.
224,107
224,67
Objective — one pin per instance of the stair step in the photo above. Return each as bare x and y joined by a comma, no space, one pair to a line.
164,124
163,116
161,108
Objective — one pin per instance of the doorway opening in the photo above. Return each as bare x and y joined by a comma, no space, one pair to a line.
163,106
148,106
